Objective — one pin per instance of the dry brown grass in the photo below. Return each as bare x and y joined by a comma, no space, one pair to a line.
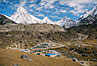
90,42
10,57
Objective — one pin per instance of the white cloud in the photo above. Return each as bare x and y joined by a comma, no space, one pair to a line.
39,8
55,17
74,12
48,3
72,4
78,5
85,1
22,3
63,11
32,5
41,15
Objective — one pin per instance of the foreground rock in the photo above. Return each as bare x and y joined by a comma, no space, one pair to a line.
25,57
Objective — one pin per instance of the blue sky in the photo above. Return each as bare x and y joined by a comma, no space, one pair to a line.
54,9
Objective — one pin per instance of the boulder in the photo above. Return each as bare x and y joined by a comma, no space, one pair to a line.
26,57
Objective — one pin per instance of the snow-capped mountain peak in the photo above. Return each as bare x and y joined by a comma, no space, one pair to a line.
21,16
21,9
89,16
47,20
92,12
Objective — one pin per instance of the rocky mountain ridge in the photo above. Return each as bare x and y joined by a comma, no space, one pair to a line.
89,16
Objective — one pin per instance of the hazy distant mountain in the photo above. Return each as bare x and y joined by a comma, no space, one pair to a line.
67,23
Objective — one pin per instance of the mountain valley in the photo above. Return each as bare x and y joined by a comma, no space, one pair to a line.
23,31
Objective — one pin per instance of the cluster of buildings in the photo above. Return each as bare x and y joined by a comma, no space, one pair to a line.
47,52
43,49
44,52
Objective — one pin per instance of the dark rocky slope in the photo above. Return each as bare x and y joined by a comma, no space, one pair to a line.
4,19
90,30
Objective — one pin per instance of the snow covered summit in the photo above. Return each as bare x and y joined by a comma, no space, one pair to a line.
21,16
47,20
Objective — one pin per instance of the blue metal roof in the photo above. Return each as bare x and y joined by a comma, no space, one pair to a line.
49,54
